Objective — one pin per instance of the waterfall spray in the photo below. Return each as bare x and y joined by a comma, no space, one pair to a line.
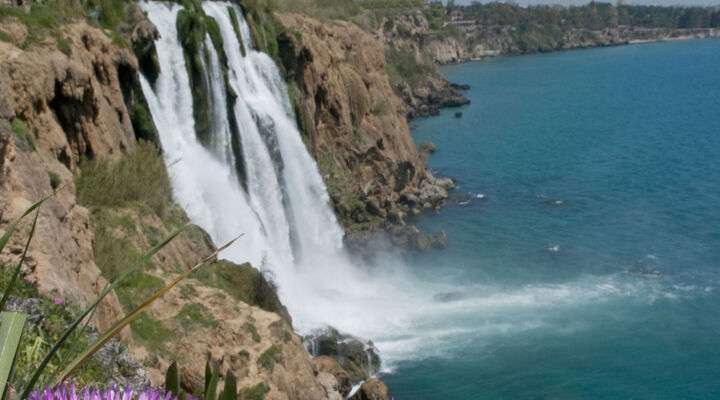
290,228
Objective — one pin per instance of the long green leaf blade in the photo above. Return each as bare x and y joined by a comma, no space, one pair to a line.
132,315
16,272
11,330
11,228
230,390
108,288
172,379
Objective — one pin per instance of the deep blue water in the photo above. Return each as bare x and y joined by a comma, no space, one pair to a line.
591,267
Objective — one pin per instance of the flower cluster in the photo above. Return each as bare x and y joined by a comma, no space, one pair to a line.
69,392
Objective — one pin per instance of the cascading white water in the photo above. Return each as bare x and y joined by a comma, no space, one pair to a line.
222,134
263,96
285,197
201,183
288,225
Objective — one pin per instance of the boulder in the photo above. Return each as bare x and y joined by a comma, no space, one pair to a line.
373,389
359,359
329,365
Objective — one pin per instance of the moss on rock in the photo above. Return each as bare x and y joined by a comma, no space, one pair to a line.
192,27
244,283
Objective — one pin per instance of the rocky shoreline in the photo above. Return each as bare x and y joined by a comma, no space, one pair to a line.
605,38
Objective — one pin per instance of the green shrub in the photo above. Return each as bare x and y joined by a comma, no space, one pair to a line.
46,18
244,283
256,392
150,332
38,339
403,66
253,331
22,133
108,13
113,247
4,37
55,180
136,288
196,315
270,357
137,180
63,45
193,25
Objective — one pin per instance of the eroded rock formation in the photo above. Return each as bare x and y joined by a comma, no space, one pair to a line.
354,123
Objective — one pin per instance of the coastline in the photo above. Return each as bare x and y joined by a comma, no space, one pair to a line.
709,35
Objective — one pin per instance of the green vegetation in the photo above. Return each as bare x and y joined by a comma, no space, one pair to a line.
193,25
55,180
244,283
140,117
593,16
253,331
39,337
22,133
137,286
47,18
63,45
270,357
348,10
264,27
210,389
151,332
195,315
236,27
256,392
4,37
124,217
126,183
403,66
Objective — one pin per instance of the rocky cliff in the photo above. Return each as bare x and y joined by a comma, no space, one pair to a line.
55,110
411,50
464,36
354,123
70,110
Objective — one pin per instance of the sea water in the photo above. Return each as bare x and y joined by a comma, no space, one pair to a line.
584,234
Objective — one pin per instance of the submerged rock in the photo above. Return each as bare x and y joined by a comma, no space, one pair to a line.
448,297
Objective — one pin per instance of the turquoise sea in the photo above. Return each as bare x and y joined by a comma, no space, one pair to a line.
585,229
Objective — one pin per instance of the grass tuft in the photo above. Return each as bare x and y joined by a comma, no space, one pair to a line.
126,183
150,332
196,315
256,392
23,133
270,357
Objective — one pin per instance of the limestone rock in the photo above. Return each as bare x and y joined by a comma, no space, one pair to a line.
373,389
360,360
354,121
61,108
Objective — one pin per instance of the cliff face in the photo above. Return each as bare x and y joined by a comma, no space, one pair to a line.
55,110
408,39
472,40
354,122
59,108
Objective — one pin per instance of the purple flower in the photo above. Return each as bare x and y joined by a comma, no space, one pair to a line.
113,392
58,301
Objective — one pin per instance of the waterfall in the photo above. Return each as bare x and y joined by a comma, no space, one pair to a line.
283,209
204,185
222,133
263,107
